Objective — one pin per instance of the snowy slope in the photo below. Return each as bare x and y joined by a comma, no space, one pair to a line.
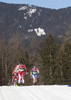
47,92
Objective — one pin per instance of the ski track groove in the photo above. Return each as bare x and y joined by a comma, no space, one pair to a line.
5,92
34,93
56,89
31,97
21,93
64,91
2,94
61,91
49,93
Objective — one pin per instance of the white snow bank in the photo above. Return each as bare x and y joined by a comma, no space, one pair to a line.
45,92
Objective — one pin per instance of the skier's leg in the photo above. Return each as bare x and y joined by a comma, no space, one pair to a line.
23,77
19,78
23,81
33,79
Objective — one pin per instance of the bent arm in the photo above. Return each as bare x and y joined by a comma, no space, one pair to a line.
37,71
31,72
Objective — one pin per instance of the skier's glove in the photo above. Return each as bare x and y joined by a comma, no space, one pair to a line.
37,73
31,77
26,73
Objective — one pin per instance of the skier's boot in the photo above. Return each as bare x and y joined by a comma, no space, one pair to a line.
35,83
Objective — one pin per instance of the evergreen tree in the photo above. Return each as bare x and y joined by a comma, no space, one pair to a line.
59,63
67,66
48,55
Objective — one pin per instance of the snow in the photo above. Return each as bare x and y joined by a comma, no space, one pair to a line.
41,92
20,26
31,11
23,8
30,30
39,31
25,17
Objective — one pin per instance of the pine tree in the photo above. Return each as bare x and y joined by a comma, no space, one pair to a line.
67,66
48,55
59,64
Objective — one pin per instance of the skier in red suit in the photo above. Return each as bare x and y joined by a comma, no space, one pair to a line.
20,72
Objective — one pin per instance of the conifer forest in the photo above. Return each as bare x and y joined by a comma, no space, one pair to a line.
52,59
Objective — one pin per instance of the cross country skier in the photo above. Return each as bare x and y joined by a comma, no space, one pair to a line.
33,74
20,72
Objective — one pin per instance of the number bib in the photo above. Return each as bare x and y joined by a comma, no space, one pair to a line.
21,69
34,72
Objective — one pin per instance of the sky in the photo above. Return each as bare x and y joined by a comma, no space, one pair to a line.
53,4
41,92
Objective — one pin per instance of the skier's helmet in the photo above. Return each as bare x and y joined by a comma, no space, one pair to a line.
21,63
34,66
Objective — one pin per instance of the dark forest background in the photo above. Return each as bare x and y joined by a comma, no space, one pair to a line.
52,59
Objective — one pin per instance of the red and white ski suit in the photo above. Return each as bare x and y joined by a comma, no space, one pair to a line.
20,72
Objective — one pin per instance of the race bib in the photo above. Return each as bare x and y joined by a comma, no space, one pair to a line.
20,69
34,72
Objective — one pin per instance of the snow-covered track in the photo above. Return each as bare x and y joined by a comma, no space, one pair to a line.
42,92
